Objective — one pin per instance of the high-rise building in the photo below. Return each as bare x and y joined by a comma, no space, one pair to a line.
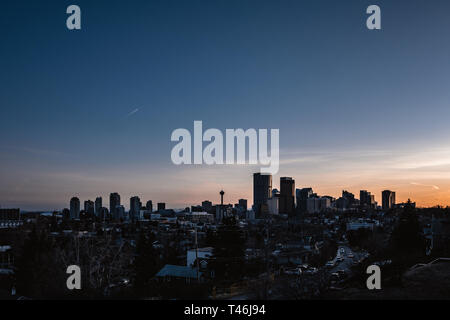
161,206
302,196
207,206
119,212
98,205
243,204
287,194
350,197
74,208
347,200
135,207
273,203
89,207
65,214
149,206
317,204
104,214
366,199
262,190
114,202
388,199
313,205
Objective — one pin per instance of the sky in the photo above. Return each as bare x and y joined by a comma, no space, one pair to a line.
89,112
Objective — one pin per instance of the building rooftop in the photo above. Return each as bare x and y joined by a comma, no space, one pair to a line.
170,270
5,248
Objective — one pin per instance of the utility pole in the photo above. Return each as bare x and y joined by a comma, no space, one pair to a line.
267,245
196,254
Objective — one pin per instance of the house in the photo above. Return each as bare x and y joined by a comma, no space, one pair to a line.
178,273
203,255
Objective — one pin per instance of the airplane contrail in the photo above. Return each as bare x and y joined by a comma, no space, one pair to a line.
132,112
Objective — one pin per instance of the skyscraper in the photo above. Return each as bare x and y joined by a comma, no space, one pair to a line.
243,204
388,199
114,202
98,205
287,193
89,207
103,214
366,199
74,208
207,206
262,190
302,196
273,204
161,206
149,206
347,200
119,212
135,207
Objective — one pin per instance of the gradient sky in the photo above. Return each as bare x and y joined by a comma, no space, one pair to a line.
85,113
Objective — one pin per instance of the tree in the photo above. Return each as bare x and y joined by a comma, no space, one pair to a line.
357,238
407,243
407,237
146,263
228,252
38,274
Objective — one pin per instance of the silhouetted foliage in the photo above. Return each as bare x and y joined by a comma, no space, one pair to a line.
358,237
229,249
407,237
407,243
37,273
146,263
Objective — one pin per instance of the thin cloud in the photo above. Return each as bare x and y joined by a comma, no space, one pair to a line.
425,185
40,152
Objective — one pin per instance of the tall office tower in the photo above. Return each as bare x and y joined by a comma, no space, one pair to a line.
347,200
350,197
103,214
207,206
161,206
302,196
388,199
114,202
149,206
393,203
363,197
98,205
262,190
135,207
74,208
287,193
119,212
366,199
273,204
89,207
243,204
65,214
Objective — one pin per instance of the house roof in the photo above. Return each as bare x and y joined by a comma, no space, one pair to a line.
177,271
